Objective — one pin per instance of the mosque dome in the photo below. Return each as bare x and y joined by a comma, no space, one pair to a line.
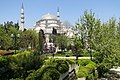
48,16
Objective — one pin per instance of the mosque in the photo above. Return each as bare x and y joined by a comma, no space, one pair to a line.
48,23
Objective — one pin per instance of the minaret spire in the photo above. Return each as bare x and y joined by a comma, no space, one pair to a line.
58,14
22,17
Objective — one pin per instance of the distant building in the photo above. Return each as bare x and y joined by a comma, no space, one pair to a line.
50,23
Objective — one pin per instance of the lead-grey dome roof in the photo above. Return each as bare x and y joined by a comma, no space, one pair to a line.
48,16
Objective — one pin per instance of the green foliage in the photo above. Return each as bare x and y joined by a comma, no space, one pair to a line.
17,79
83,62
62,66
91,66
50,74
90,77
86,69
100,38
45,73
27,38
62,41
3,67
41,41
83,72
19,65
51,70
70,61
64,54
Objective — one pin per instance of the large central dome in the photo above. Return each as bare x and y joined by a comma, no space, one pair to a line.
49,16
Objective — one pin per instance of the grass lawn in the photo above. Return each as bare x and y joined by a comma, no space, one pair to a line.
71,54
64,54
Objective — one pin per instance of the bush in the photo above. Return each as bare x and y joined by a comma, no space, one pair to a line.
90,77
4,64
83,62
91,67
51,70
50,74
70,61
62,66
17,79
44,73
19,65
82,72
87,68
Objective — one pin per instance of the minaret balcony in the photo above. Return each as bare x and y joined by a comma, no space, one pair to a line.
22,17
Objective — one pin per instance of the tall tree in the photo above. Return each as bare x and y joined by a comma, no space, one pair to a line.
86,29
41,41
61,41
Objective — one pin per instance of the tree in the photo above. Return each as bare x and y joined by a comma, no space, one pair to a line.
6,30
101,38
61,41
54,32
5,39
29,38
86,30
41,41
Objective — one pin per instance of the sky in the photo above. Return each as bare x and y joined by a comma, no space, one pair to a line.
70,10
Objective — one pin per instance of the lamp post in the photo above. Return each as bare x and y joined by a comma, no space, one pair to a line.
15,36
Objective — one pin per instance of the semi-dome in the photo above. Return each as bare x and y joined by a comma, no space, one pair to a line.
49,16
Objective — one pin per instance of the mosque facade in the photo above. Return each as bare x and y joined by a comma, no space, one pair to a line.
48,23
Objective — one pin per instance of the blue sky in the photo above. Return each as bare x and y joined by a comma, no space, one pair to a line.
70,10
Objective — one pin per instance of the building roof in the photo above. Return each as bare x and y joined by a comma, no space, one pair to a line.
49,16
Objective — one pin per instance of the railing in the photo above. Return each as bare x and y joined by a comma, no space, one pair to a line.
70,76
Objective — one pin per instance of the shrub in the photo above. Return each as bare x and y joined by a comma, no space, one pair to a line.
87,68
17,79
91,66
90,77
44,73
62,66
82,72
3,67
70,61
51,70
19,65
84,62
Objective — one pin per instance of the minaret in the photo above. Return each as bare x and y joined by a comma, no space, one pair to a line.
22,17
58,14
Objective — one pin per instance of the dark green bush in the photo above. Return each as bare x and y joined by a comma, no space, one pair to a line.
17,79
19,65
45,73
88,67
50,74
62,66
50,71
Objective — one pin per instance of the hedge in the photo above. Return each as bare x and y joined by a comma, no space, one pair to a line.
45,73
51,70
18,65
86,68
